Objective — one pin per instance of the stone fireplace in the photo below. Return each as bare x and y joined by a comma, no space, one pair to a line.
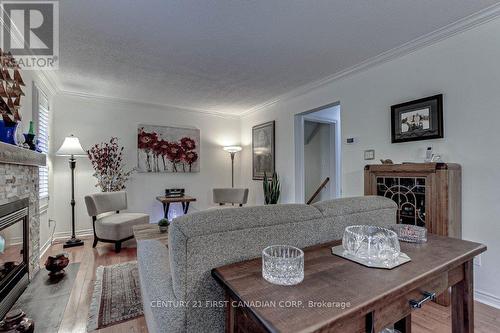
18,195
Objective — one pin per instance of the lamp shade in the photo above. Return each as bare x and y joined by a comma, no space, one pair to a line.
232,149
71,147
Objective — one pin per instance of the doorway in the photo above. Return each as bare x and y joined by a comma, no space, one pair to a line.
317,151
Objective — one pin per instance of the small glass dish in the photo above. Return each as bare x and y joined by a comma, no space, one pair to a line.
410,233
373,244
283,265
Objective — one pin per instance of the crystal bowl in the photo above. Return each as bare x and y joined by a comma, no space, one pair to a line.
283,265
410,233
373,244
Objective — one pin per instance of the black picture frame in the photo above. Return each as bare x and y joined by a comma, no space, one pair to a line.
263,150
421,119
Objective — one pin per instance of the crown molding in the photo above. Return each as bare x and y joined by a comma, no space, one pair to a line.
469,22
125,101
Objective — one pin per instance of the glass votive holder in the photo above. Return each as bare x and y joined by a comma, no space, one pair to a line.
410,233
283,265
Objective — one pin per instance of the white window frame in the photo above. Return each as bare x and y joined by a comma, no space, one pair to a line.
41,116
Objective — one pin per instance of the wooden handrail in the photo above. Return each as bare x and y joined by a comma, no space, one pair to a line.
322,186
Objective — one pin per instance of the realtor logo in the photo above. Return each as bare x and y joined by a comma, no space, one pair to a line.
30,31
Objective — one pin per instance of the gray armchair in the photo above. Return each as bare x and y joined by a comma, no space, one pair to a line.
232,196
115,227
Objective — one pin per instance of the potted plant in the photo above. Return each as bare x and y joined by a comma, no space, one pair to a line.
272,189
163,225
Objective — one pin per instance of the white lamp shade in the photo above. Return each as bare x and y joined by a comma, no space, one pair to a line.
232,149
71,147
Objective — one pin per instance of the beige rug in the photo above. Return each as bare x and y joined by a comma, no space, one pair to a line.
116,296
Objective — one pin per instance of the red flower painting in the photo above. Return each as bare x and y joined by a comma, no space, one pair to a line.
168,149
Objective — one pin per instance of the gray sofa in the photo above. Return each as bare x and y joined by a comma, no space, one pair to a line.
172,280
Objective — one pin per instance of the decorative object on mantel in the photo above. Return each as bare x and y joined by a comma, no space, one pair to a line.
29,138
163,225
71,147
168,149
410,233
232,150
107,161
272,189
263,150
387,161
56,264
283,265
371,246
10,97
417,120
16,321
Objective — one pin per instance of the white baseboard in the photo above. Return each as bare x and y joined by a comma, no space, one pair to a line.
60,235
487,298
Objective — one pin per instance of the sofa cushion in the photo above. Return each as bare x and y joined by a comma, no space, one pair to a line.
162,310
119,226
355,205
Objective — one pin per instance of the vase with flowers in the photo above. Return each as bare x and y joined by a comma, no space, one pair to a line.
107,161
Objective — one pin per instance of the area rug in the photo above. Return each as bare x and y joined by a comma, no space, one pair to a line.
116,297
45,299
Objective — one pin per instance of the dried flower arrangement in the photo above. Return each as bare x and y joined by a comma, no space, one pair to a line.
157,152
109,167
10,89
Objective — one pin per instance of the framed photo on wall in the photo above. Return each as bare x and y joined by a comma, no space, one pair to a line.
263,150
417,120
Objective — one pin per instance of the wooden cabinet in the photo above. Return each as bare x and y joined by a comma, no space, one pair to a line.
427,194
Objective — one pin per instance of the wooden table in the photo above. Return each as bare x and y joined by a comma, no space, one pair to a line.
149,231
166,201
338,295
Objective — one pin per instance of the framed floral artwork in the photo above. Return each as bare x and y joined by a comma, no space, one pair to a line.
162,149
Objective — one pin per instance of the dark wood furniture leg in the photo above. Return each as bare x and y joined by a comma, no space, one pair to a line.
229,315
404,325
166,208
462,302
186,207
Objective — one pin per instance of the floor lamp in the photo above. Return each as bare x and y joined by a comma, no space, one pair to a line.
71,147
232,150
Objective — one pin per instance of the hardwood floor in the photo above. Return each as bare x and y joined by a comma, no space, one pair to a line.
431,318
76,313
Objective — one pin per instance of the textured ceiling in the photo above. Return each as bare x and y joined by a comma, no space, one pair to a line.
228,56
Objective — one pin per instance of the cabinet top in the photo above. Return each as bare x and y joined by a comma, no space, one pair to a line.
412,167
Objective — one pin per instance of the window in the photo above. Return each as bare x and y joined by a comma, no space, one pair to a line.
42,115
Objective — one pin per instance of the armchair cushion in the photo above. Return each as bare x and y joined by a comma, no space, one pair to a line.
100,203
230,195
118,226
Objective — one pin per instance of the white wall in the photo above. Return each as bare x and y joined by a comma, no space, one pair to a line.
95,120
465,68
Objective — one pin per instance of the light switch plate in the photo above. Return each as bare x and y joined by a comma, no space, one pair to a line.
369,154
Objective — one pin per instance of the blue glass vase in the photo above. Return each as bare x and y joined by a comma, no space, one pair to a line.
8,132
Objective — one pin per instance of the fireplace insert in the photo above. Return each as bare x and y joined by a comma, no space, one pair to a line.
13,252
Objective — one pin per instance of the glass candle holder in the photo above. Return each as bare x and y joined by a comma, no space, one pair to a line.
410,233
283,265
371,243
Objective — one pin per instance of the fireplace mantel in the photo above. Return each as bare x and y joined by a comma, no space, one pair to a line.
10,154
